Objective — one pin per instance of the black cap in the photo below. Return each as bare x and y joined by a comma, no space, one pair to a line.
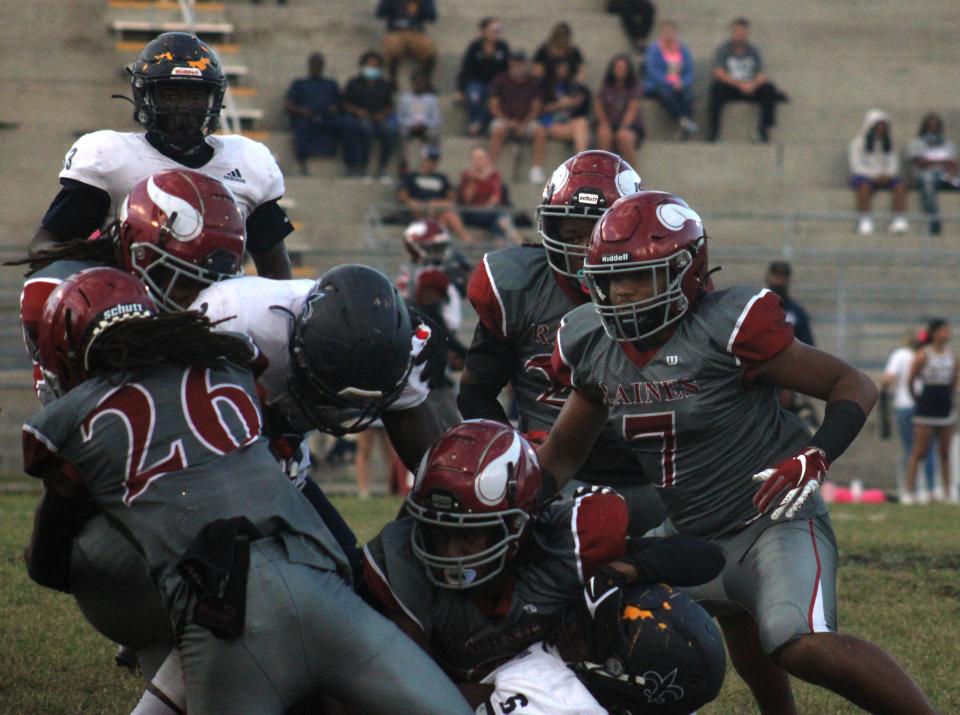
430,151
518,55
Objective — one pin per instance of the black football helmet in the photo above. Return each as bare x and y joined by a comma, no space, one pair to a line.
650,649
177,60
351,349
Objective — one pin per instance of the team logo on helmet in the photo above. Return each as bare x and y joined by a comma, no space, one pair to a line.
559,179
491,484
661,689
184,222
673,216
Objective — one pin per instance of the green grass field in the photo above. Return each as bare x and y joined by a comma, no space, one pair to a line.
899,586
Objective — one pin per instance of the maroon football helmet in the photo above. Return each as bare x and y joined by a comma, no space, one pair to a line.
655,234
78,312
478,475
584,187
427,242
180,230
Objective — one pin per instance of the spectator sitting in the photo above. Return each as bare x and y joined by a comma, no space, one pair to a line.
874,166
313,103
427,193
934,161
617,107
668,77
559,47
485,58
738,75
480,194
637,18
515,104
418,113
368,115
405,34
567,108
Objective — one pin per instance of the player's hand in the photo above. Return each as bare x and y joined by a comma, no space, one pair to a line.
801,475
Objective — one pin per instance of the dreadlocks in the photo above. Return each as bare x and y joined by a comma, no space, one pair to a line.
101,250
183,338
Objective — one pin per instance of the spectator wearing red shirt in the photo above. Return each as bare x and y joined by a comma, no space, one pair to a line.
480,195
515,103
619,119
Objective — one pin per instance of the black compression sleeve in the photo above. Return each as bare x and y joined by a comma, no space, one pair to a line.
267,226
842,422
490,363
77,211
678,560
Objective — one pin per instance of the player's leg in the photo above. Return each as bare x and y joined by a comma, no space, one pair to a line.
793,567
768,682
108,579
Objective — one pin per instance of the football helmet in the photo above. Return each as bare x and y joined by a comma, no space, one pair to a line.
77,313
654,650
180,230
656,237
427,242
177,59
478,475
584,187
351,349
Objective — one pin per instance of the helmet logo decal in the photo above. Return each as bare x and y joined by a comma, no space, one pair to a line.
490,485
628,182
661,689
188,222
163,56
186,71
200,64
673,216
559,179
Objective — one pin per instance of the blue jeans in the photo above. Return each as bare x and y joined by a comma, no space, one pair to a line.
679,103
930,181
358,137
904,418
475,94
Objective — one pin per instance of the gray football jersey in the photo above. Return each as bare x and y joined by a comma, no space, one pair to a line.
691,411
168,450
520,300
571,537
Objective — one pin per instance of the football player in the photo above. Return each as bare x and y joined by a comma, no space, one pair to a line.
178,87
178,230
244,567
688,377
484,564
520,294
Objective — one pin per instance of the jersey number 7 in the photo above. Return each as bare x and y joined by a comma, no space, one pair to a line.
660,427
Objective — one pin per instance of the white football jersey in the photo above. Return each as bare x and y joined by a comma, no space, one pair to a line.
115,161
258,308
538,682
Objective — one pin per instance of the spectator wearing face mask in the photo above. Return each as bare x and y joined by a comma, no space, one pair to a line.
934,162
368,116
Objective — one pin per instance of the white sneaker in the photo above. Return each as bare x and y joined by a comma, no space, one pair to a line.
923,497
906,499
536,175
899,225
865,227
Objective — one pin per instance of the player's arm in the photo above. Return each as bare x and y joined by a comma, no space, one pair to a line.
56,523
412,432
267,227
677,560
489,367
76,212
572,437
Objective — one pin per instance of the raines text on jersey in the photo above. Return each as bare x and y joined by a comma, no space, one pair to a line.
645,393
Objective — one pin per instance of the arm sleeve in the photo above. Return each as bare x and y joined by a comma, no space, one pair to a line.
267,226
77,211
491,362
486,300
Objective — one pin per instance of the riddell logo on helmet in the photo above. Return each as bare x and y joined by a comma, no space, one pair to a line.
186,71
614,258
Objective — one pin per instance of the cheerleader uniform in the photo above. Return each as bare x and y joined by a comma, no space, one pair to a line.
935,404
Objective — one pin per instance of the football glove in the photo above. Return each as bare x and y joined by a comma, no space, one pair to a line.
801,475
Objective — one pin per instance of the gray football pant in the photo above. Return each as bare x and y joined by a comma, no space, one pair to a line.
307,631
108,579
783,573
644,506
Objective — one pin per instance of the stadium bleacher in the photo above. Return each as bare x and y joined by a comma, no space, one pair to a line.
786,199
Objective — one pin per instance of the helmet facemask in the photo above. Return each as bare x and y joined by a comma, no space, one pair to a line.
183,122
565,256
638,320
